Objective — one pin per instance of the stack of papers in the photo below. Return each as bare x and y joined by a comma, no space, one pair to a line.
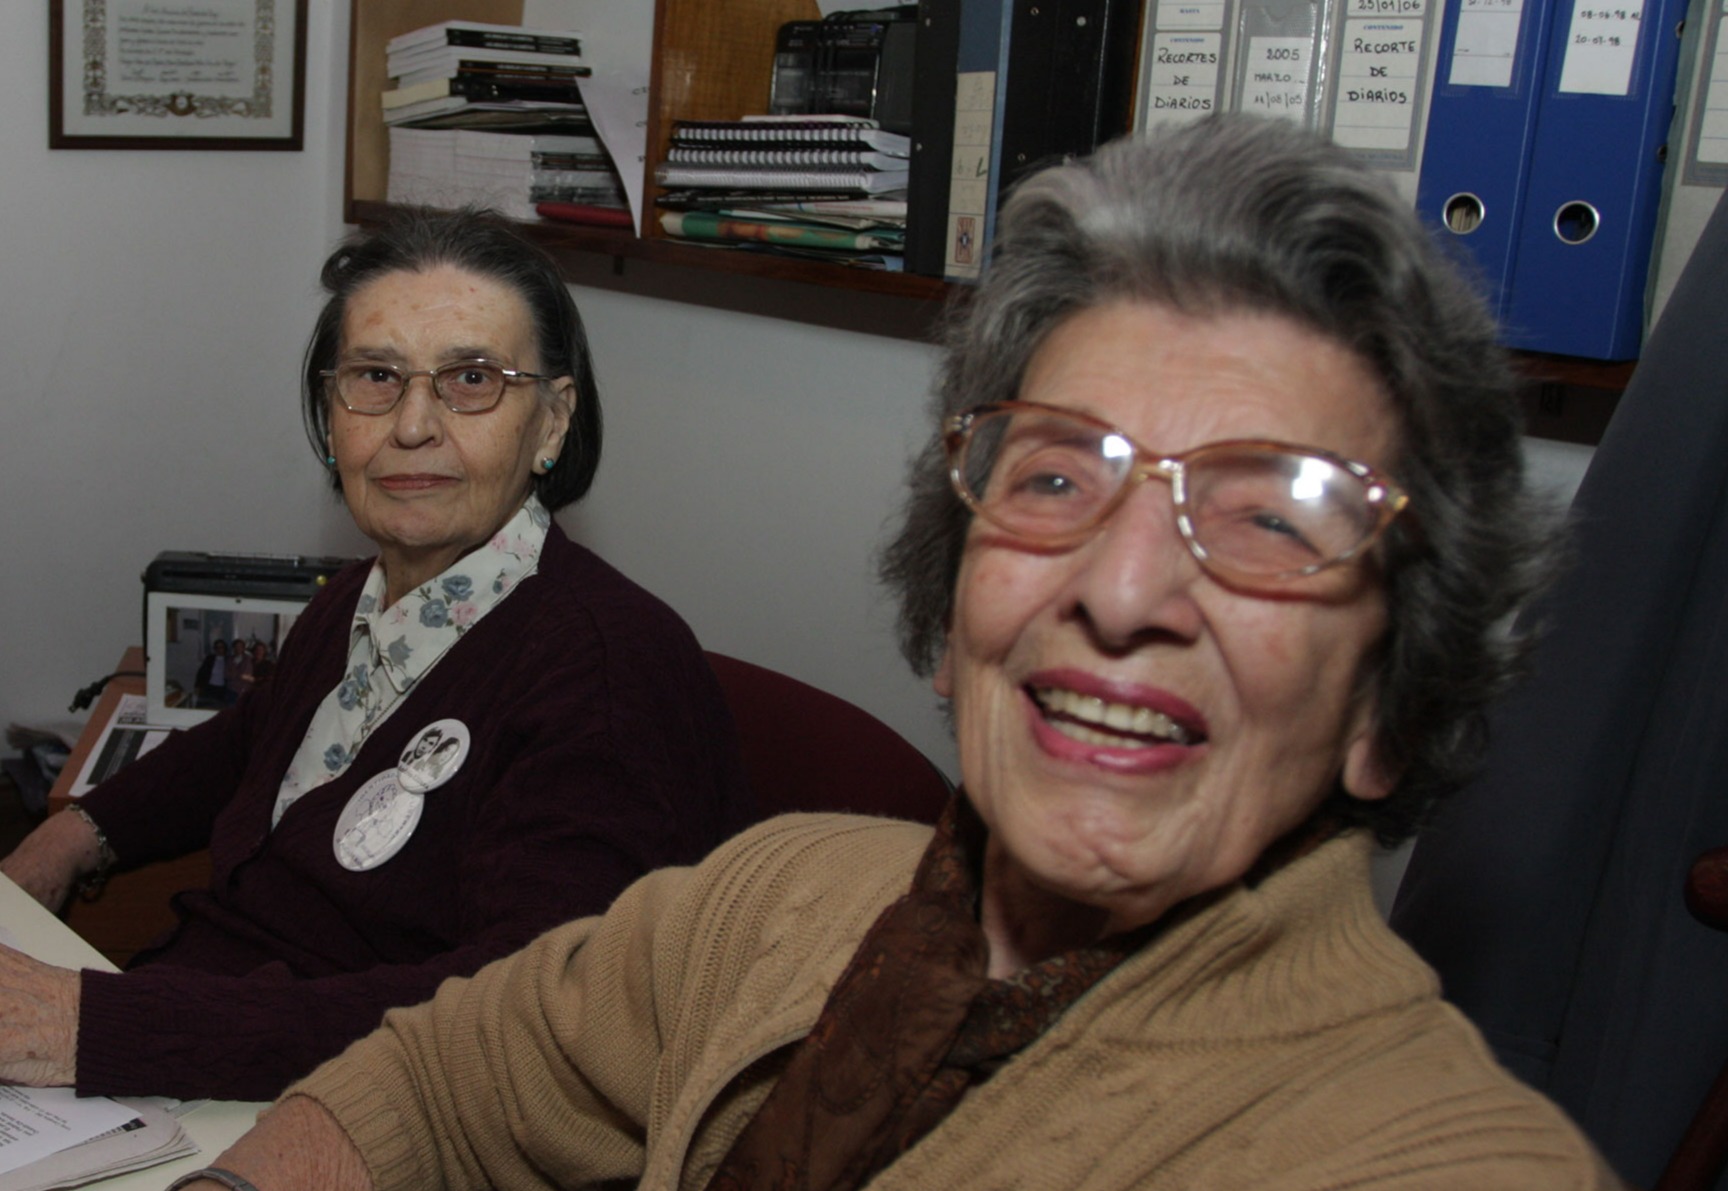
52,1138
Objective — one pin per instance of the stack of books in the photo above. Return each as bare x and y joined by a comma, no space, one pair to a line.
511,172
830,186
492,115
460,66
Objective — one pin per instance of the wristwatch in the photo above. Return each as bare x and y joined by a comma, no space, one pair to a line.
216,1175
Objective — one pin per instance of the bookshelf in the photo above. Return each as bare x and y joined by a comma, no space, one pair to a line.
711,61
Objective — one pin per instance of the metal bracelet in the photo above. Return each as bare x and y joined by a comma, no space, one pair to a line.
90,885
216,1175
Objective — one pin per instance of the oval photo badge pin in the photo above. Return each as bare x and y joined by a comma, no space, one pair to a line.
433,756
376,823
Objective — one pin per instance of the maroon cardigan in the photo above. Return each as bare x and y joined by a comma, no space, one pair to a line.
601,749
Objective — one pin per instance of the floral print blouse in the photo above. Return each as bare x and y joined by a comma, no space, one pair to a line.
390,649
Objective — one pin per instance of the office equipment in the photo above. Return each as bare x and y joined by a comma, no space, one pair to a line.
193,599
849,63
936,47
1481,126
1697,169
1594,181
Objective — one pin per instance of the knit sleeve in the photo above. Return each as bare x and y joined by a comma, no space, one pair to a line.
609,1048
561,1038
600,751
164,804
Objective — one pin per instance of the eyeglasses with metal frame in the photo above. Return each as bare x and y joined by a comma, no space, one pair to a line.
462,386
1252,512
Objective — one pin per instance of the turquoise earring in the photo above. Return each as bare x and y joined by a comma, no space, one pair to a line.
548,464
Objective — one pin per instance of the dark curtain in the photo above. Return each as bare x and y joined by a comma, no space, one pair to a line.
1548,893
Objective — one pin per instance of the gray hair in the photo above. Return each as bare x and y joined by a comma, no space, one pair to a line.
1237,213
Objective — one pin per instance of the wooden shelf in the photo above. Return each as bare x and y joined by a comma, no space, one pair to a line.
624,246
712,60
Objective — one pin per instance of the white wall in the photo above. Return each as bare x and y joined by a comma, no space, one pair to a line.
153,307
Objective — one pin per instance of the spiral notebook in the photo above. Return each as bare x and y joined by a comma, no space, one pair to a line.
860,181
743,157
805,131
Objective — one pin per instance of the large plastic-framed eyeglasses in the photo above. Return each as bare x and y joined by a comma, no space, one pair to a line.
463,386
1251,511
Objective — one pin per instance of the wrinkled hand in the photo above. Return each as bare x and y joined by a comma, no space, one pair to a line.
38,1021
48,863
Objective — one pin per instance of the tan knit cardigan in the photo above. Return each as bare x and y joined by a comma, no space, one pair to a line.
1280,1038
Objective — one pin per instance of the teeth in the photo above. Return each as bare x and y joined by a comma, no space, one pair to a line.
1096,715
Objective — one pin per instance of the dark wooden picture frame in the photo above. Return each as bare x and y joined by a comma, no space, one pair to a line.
165,109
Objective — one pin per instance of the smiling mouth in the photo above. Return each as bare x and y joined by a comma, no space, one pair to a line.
1092,720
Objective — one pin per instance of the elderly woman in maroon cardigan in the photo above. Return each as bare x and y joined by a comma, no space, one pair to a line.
449,390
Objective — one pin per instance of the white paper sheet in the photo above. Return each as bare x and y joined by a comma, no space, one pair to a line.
1487,41
36,1122
1377,76
1600,48
126,737
1277,73
618,44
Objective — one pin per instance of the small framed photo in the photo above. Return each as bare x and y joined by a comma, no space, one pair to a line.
202,652
141,74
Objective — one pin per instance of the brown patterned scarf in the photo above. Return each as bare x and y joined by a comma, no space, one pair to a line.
911,1024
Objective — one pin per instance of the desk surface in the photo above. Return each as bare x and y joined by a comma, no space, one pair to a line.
213,1125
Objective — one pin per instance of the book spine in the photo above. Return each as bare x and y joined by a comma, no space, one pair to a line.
717,199
704,225
521,70
935,57
488,89
533,42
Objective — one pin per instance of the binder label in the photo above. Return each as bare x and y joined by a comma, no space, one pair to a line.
1601,46
1184,76
1190,14
1378,76
1486,44
969,185
1712,148
1277,73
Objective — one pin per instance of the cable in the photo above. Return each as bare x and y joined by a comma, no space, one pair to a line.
87,695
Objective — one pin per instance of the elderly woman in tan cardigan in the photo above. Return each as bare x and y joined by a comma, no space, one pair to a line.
1208,556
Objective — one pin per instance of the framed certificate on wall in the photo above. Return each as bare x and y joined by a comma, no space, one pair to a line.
165,74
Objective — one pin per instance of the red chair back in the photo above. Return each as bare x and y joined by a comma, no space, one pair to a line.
807,750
